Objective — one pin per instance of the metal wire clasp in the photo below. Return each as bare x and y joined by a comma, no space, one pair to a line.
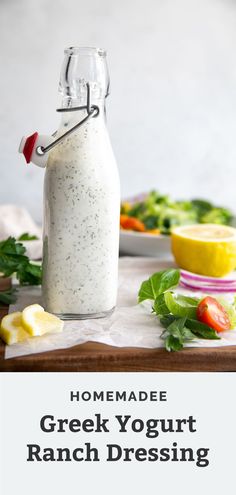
92,111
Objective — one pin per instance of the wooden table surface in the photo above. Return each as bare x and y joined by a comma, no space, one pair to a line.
100,357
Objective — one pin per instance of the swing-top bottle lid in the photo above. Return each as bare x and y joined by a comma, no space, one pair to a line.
30,147
84,81
27,145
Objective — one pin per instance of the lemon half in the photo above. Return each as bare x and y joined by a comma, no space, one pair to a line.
38,322
207,249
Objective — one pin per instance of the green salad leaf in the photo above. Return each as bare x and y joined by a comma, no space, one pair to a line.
158,283
177,313
230,308
180,305
176,334
176,328
201,330
159,306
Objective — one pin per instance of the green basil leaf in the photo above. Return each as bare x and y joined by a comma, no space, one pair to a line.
166,320
180,305
176,328
201,330
159,306
158,283
188,335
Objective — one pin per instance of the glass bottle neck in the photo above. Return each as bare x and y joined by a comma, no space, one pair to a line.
84,76
84,65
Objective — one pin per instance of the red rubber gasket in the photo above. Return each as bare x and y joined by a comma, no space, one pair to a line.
29,146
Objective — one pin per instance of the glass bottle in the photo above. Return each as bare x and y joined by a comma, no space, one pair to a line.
81,198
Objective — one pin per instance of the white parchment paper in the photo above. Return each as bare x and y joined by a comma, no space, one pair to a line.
131,325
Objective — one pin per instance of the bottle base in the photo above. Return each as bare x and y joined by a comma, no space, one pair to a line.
72,316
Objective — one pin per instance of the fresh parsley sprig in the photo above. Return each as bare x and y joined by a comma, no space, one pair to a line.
13,260
27,237
177,313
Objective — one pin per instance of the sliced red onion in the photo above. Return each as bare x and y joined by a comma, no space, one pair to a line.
209,285
222,289
201,278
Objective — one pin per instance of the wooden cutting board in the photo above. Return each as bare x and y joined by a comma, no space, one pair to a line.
100,357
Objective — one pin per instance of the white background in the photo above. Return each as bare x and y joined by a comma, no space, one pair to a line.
172,109
25,398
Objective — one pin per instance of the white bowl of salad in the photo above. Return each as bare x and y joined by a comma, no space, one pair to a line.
146,222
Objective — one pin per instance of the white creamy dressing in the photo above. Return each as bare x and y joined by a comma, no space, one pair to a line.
81,223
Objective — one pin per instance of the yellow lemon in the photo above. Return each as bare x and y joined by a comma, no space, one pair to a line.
12,330
207,249
38,322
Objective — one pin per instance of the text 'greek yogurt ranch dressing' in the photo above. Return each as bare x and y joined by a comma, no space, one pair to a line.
81,205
